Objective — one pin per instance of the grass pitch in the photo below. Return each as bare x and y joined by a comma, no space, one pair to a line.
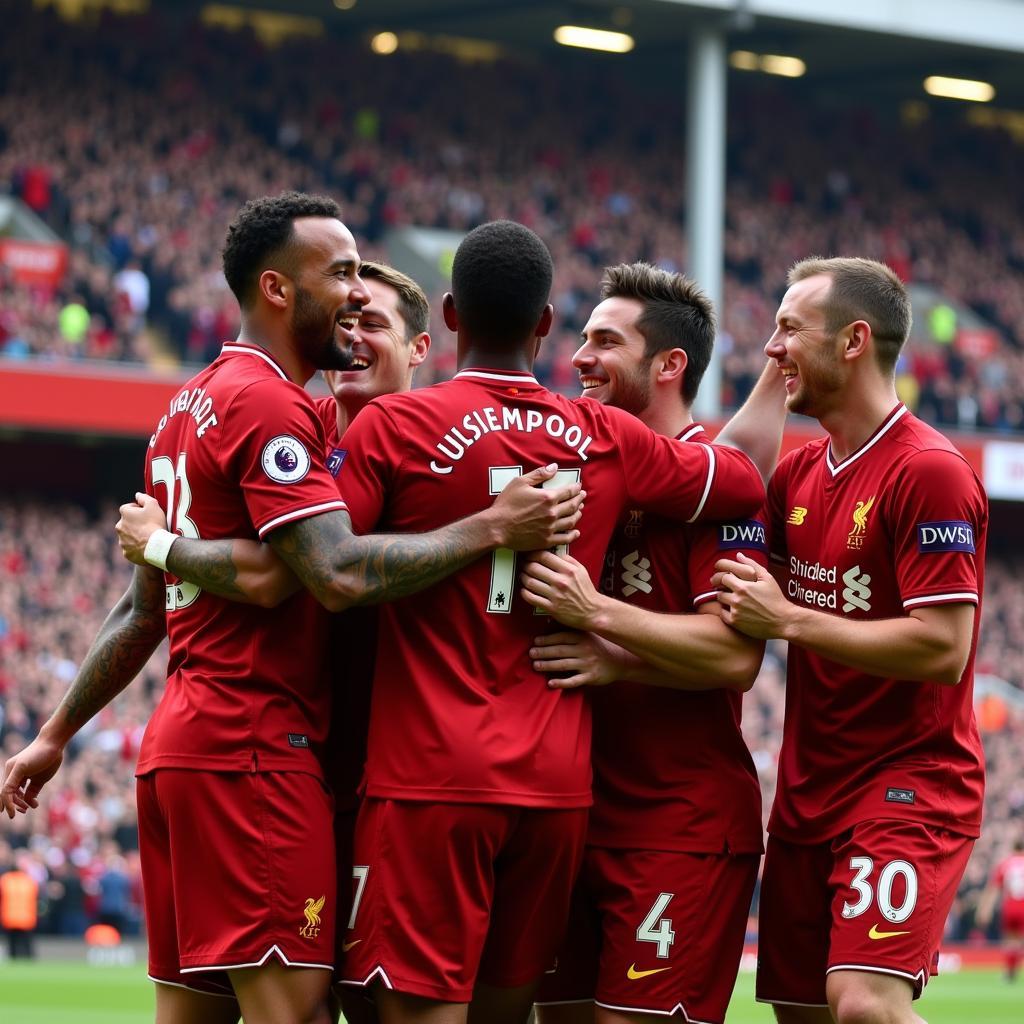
55,992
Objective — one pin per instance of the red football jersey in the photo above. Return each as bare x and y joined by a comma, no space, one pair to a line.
1009,878
239,453
899,524
458,714
671,769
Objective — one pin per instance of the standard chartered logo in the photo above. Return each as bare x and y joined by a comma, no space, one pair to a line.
636,575
856,592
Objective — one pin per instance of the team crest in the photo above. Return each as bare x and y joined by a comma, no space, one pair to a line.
312,909
635,523
285,459
797,515
855,538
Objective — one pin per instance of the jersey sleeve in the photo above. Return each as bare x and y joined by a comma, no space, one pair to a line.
686,480
710,542
274,445
775,510
937,518
372,451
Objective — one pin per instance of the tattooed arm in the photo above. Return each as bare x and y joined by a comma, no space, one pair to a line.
130,634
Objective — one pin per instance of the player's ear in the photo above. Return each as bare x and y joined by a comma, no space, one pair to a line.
545,322
419,348
856,339
448,311
671,365
276,288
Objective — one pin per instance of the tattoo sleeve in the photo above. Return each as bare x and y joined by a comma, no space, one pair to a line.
342,569
127,638
209,564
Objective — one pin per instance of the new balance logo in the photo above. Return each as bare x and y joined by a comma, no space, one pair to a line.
856,592
797,514
637,575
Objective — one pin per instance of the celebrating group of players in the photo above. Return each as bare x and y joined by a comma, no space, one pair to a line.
439,802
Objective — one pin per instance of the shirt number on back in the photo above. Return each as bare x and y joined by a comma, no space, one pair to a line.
165,474
503,561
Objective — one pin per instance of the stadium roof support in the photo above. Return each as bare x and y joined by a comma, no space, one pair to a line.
705,188
990,24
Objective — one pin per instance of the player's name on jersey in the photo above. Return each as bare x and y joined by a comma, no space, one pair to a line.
459,438
197,404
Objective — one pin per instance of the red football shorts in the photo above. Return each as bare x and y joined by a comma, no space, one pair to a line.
344,842
1012,918
874,899
655,932
445,894
236,867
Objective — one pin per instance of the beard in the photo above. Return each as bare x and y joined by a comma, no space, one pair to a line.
313,330
632,393
819,383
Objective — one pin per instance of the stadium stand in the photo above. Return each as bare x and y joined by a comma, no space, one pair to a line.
154,155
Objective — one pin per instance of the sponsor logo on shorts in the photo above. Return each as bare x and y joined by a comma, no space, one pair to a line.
346,946
298,739
855,538
797,515
312,909
948,535
874,933
633,974
285,459
900,796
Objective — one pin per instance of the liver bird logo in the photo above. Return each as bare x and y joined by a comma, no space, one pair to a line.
855,539
312,911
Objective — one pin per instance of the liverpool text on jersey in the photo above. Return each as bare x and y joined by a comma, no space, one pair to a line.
460,437
197,404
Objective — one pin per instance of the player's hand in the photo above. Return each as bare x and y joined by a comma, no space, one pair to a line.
750,598
560,586
139,520
581,659
27,772
532,517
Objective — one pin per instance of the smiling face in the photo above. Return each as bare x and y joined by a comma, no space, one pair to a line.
805,350
612,362
329,293
383,356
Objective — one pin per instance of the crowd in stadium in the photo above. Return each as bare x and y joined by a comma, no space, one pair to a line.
142,186
83,846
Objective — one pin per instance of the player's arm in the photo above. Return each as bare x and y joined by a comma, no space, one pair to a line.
341,568
238,570
928,644
125,642
684,652
756,427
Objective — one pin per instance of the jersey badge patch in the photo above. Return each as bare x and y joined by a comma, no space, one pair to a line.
635,523
797,515
311,929
335,459
948,535
285,459
744,533
855,538
900,796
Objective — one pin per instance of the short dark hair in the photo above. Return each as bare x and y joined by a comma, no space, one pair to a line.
262,233
676,314
501,281
863,290
412,300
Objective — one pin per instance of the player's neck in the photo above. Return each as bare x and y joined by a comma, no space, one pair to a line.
666,416
857,416
487,359
281,349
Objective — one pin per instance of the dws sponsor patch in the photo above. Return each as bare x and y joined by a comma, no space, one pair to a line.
947,535
744,533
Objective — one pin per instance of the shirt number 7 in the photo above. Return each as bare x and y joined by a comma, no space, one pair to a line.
503,561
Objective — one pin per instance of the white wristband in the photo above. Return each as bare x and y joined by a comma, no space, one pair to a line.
158,547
